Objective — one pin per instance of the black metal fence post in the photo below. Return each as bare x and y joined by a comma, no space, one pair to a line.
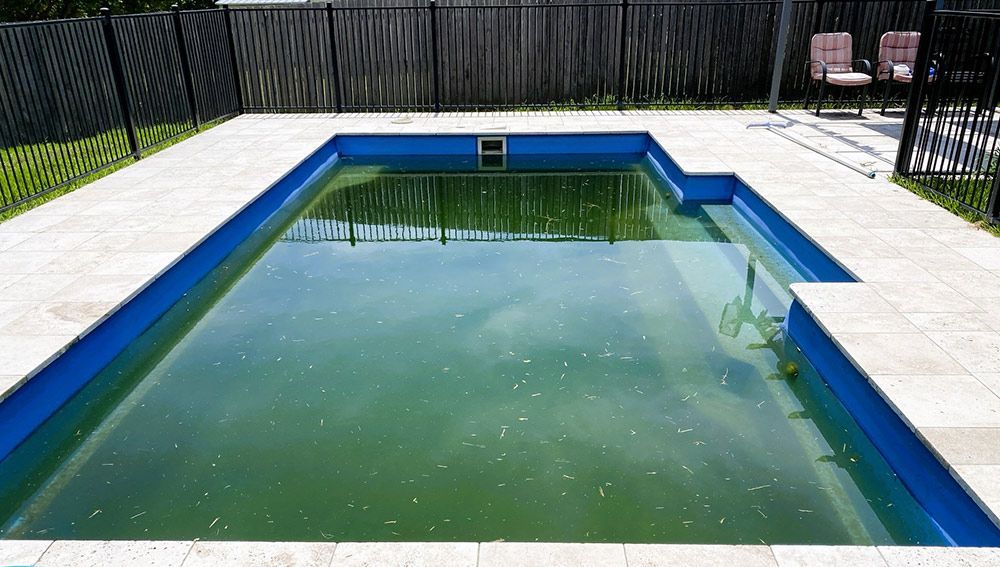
622,29
118,75
994,206
908,137
185,67
333,58
232,58
784,22
434,56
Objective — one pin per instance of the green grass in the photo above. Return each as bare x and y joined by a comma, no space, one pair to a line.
952,187
34,167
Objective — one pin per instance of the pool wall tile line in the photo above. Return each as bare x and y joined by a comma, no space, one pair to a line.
81,553
842,213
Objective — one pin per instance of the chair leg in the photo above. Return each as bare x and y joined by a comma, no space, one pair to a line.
885,98
819,100
864,99
805,104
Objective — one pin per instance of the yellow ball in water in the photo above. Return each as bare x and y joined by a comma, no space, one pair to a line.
790,369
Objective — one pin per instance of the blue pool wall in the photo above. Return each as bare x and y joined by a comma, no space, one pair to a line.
948,505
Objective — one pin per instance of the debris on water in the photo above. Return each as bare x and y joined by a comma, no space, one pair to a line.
685,430
503,430
790,369
137,515
569,477
213,523
389,522
536,394
600,490
759,487
96,512
805,511
473,445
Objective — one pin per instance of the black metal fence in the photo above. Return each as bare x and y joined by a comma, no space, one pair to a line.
77,96
950,137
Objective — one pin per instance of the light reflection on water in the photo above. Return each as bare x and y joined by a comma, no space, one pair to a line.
538,354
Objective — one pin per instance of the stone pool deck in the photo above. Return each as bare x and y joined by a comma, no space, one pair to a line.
492,554
923,325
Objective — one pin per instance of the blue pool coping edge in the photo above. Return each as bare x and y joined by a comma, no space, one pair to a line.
953,510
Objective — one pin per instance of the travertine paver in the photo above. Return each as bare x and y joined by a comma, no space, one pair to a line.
656,555
22,552
437,554
924,324
513,554
939,557
827,555
102,553
259,554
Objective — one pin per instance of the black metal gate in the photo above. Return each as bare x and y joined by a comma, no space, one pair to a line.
950,137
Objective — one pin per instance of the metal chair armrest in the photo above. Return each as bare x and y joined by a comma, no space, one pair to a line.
822,66
890,66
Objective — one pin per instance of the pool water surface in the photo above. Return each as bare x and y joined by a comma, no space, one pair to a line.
554,352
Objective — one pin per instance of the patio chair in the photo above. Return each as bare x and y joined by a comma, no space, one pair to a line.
897,56
831,62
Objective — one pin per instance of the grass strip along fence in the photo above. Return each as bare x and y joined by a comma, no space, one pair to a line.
83,95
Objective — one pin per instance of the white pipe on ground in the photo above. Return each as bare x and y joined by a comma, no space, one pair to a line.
770,125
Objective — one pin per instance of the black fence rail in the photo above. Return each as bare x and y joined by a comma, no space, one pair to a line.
951,137
77,96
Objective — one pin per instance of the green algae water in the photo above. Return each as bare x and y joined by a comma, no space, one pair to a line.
554,352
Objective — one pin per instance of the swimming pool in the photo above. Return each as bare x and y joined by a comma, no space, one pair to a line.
435,348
